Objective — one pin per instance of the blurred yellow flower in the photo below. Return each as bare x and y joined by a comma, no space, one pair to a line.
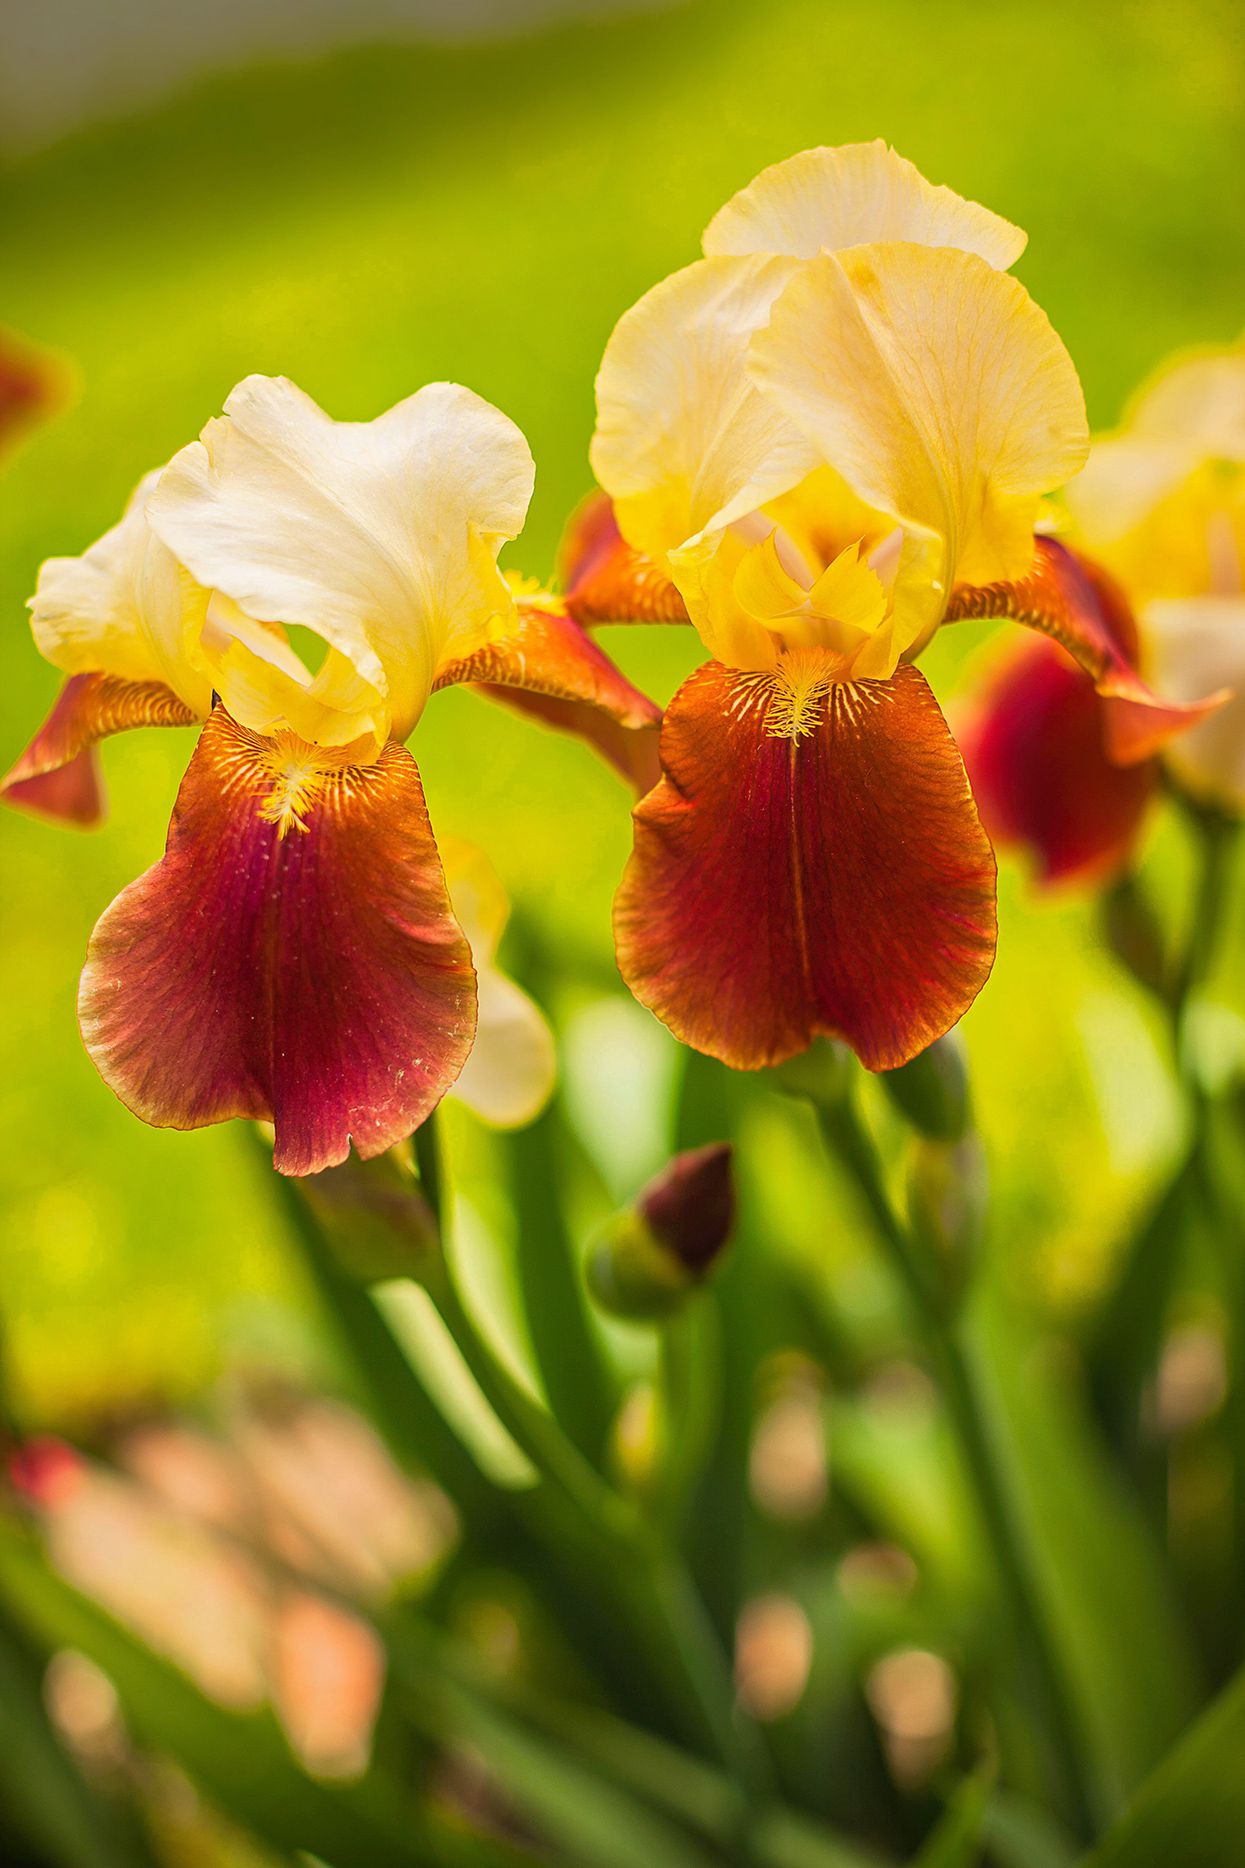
1162,503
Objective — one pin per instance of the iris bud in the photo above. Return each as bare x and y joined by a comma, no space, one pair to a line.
823,1073
650,1257
947,1192
375,1218
932,1090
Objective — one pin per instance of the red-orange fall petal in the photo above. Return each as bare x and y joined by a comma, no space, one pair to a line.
605,580
1078,603
293,955
57,774
548,668
1035,747
780,888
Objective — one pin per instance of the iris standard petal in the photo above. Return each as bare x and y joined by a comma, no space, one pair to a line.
510,1074
936,387
855,194
684,441
380,537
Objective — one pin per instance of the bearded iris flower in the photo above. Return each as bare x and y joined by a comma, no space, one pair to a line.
822,441
294,955
1162,504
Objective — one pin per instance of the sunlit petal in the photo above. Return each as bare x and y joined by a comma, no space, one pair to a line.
1084,609
939,391
57,774
125,608
782,887
1197,645
292,956
683,439
381,537
857,193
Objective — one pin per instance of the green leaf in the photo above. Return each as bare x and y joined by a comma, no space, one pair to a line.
956,1839
1117,1630
240,1760
41,1790
1191,1812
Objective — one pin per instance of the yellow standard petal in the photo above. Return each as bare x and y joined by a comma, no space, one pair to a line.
379,537
857,194
1196,646
125,607
1162,500
510,1074
684,441
936,387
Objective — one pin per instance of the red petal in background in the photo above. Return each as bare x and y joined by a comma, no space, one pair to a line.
1083,608
1035,748
604,579
293,955
837,883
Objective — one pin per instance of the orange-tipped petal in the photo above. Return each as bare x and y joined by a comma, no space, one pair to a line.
630,750
605,579
1084,609
57,774
781,887
292,956
1035,748
549,668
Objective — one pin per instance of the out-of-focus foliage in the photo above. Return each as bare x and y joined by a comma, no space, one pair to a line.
484,214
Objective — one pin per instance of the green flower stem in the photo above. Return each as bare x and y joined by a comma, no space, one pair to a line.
647,1579
956,1370
1216,838
690,1375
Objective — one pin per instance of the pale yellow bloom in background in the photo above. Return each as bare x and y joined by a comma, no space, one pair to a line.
510,1074
840,412
1162,504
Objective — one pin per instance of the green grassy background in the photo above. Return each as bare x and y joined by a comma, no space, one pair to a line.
394,216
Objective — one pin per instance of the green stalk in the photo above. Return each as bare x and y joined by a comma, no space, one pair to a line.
649,1582
1216,839
960,1382
690,1368
654,1592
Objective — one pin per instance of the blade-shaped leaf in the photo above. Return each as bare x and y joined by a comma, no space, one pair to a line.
1191,1810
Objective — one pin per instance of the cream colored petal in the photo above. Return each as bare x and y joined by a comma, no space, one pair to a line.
510,1074
381,536
1188,419
125,607
858,194
939,391
1123,479
1196,647
1198,398
683,439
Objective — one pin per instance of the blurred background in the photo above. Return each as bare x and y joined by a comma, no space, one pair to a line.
369,197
